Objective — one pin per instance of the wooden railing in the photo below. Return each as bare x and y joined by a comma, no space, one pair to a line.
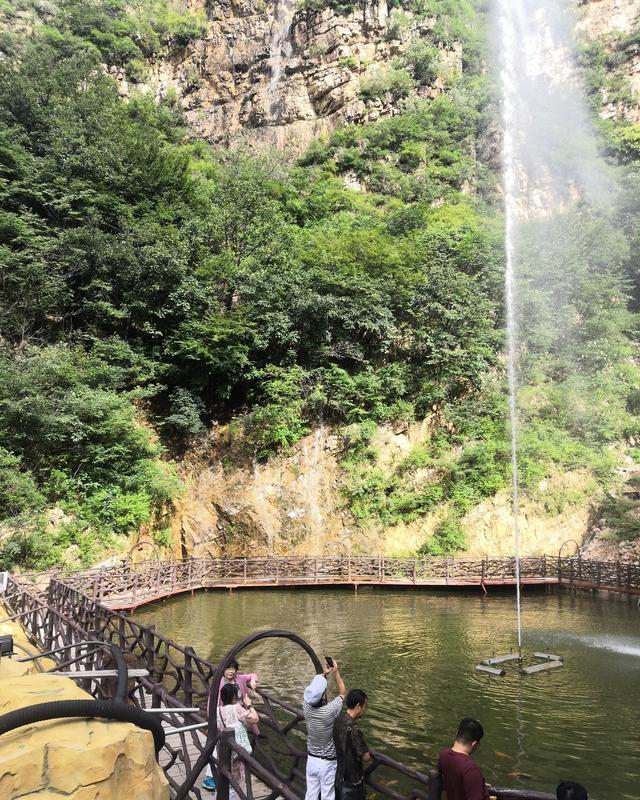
178,677
72,612
126,586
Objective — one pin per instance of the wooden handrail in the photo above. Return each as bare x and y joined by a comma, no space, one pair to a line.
128,587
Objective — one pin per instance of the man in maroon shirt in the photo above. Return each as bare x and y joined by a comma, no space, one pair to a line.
461,776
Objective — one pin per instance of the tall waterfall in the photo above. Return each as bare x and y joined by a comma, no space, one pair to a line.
280,48
550,163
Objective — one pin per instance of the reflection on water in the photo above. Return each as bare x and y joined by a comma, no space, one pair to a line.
414,653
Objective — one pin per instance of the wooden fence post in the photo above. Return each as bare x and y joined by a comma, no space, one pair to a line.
629,578
571,572
189,653
414,571
349,566
315,561
150,653
277,569
224,761
48,642
434,787
599,573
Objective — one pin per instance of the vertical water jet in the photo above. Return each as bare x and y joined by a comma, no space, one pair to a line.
550,164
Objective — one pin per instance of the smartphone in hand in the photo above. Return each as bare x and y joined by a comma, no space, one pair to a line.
329,661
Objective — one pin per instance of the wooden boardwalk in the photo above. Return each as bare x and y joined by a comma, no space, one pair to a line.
189,746
129,602
127,586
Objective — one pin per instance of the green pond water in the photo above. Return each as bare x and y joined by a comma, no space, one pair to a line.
414,653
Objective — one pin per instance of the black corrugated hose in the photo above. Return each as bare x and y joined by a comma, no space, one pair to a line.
102,709
116,709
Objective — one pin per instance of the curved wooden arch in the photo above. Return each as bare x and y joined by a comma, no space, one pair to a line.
140,546
569,541
212,705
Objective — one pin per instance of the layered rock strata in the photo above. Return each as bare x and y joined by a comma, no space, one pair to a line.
265,73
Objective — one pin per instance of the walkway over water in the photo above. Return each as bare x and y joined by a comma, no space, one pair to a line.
128,586
176,681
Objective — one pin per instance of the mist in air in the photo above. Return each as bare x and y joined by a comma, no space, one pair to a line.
563,252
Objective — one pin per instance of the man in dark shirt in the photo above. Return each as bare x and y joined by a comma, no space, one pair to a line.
461,776
351,748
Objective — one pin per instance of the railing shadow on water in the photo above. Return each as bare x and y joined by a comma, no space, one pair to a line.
178,677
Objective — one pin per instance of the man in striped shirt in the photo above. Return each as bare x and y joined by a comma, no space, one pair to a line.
321,751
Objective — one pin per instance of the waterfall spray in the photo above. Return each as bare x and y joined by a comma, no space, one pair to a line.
280,45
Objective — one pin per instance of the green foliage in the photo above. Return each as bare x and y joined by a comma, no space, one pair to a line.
339,6
603,70
481,471
623,141
142,276
82,446
357,440
349,62
398,25
185,417
620,510
384,82
448,538
18,489
277,421
122,32
58,415
458,21
443,128
28,545
424,60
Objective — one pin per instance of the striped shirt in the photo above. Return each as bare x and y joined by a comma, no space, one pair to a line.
320,728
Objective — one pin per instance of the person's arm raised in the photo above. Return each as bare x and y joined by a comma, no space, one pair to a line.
342,689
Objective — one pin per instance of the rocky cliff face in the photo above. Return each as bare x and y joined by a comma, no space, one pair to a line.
612,22
290,504
294,504
269,73
597,18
